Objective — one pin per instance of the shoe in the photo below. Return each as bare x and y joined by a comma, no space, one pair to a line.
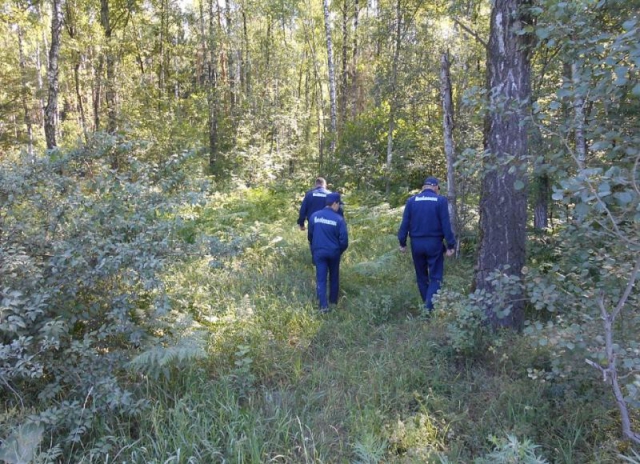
325,310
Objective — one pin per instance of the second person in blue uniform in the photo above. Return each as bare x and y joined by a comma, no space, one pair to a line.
329,239
426,221
314,200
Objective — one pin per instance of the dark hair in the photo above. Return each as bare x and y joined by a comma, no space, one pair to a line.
321,181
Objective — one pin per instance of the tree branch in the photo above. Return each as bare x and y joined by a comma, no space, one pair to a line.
470,32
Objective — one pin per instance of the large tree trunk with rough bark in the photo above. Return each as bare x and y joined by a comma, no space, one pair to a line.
51,111
503,202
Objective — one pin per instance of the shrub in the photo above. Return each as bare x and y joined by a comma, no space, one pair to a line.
82,253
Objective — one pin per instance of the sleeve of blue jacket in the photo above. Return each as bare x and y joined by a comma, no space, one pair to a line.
446,224
343,237
404,226
310,232
303,210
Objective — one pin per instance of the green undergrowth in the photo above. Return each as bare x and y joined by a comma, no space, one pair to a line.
372,381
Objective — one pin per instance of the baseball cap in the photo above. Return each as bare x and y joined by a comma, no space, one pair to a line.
431,181
332,198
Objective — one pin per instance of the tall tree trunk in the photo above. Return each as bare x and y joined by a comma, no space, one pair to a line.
317,94
25,92
393,99
231,60
110,62
83,120
162,71
344,81
78,58
245,72
212,91
51,111
449,144
40,80
354,63
503,201
332,77
97,93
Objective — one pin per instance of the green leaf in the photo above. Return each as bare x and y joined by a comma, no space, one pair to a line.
623,197
557,196
628,25
636,90
543,33
518,185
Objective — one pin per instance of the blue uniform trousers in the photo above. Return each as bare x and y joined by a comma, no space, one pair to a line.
327,262
428,260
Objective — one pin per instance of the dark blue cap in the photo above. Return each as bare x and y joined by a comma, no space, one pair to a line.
431,181
332,198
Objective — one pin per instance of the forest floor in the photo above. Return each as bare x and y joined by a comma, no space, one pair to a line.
372,381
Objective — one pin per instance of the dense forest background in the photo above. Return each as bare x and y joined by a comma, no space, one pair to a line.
157,298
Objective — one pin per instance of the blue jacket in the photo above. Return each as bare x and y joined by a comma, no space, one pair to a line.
314,200
328,232
426,215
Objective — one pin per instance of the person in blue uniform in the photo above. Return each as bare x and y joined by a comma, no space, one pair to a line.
329,239
314,200
426,221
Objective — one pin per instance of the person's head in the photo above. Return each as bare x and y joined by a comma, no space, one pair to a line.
333,201
431,183
321,182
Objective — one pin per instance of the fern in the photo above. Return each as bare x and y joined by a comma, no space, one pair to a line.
158,360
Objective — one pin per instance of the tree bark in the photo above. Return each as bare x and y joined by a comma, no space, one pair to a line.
503,201
332,77
51,111
449,143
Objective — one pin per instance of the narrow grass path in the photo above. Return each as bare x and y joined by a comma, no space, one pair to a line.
371,382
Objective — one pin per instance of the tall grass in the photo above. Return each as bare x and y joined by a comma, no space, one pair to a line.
373,381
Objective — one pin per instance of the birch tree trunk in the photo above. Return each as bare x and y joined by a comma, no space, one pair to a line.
449,144
332,77
51,110
503,201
